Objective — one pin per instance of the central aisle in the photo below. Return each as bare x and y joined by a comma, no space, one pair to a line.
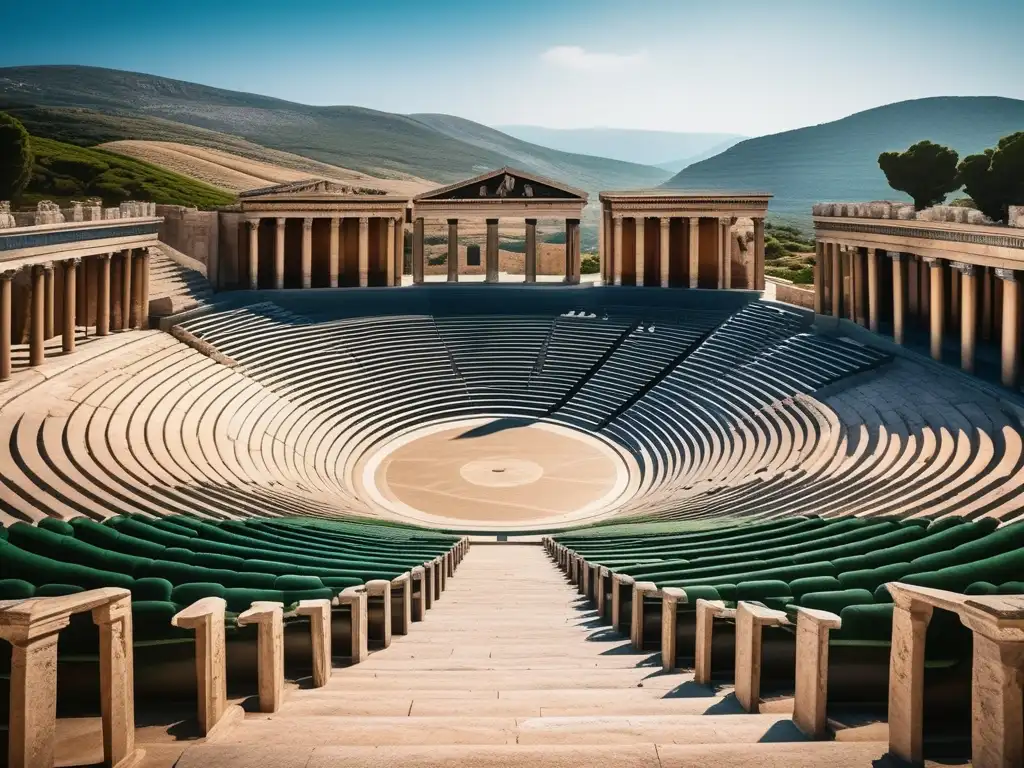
513,667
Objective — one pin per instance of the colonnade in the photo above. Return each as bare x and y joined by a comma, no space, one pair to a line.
702,264
872,286
108,290
390,249
491,261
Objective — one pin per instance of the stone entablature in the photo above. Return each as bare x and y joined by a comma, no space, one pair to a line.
983,244
685,238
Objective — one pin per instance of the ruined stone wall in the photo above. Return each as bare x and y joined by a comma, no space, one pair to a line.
791,293
192,232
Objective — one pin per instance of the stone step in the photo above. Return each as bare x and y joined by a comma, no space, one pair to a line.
769,755
326,730
524,679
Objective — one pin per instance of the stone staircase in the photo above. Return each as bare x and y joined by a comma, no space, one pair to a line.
512,667
176,282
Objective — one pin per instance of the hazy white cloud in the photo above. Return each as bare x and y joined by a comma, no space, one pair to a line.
581,60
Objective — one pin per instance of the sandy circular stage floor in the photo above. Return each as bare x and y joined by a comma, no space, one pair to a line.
495,473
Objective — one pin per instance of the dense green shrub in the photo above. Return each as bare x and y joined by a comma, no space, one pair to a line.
441,258
926,171
995,179
63,172
590,264
15,157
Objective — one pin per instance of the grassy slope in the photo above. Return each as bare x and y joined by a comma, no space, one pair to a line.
64,172
375,142
839,160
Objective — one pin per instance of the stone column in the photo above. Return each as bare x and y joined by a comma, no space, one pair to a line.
254,253
617,250
851,271
859,256
603,245
103,294
913,282
819,277
1011,327
837,279
531,250
307,252
997,719
453,250
491,257
126,289
335,253
389,253
906,679
364,251
33,718
399,227
664,250
724,256
936,306
694,238
48,311
417,251
899,295
38,315
144,292
968,315
68,309
572,240
873,289
6,278
279,253
117,673
759,254
136,313
987,289
639,223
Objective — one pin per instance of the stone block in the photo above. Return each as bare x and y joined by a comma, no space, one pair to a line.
1016,217
6,218
977,217
905,212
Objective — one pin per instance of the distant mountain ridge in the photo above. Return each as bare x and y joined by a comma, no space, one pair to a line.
664,149
839,160
371,141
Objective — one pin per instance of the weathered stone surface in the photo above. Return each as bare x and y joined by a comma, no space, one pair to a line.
6,219
1016,218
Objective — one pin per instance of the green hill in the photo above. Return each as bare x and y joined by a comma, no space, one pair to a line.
839,160
70,100
64,172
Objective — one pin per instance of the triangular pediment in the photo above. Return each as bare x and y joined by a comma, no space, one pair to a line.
505,183
304,188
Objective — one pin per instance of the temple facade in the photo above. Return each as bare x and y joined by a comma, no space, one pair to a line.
319,234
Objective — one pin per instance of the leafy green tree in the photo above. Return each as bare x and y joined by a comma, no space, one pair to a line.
995,179
15,157
926,171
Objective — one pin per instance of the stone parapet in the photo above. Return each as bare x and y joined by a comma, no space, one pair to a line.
886,209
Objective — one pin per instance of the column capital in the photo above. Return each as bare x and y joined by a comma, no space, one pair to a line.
1008,275
963,267
492,222
281,220
253,223
307,223
74,262
450,221
619,217
932,261
665,220
335,222
725,221
364,221
531,222
894,255
44,267
9,274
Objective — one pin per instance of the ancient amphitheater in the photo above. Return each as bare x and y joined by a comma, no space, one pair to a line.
492,525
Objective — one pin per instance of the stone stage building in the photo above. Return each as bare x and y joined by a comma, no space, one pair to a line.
321,234
891,269
679,239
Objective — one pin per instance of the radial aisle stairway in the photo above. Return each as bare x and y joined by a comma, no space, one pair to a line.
512,668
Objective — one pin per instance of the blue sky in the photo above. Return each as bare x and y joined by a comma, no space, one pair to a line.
746,66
